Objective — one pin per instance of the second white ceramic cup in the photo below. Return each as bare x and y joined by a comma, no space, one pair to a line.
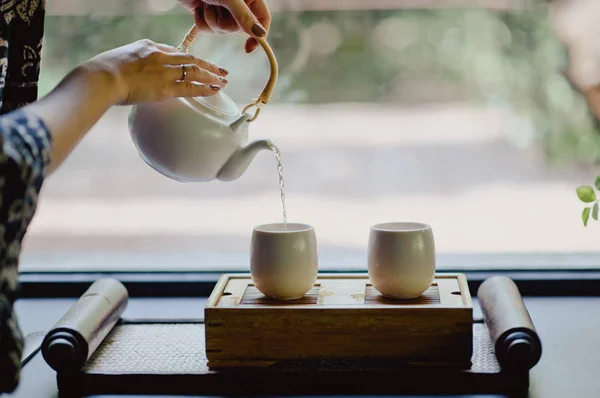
284,260
401,259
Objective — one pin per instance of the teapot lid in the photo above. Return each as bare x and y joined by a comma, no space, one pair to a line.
219,103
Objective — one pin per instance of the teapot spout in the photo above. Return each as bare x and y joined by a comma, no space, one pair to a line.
241,159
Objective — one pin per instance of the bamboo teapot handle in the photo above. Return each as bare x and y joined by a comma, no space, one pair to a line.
266,93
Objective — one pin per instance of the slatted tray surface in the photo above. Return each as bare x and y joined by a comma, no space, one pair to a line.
342,317
252,296
450,291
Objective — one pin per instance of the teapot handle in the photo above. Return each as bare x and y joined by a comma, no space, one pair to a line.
265,95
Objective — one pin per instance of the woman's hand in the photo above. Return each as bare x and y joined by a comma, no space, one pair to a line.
145,71
229,16
139,72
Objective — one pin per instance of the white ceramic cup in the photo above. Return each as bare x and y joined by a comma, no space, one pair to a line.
401,259
284,260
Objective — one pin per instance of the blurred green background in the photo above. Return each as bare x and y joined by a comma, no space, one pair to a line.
409,57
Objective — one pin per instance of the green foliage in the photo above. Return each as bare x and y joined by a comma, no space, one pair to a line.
588,195
585,216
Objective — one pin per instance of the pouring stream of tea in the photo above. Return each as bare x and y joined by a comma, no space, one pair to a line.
281,186
262,99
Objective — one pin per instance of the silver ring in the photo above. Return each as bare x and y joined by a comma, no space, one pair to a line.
184,74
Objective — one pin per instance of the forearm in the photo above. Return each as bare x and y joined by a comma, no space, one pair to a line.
140,72
73,107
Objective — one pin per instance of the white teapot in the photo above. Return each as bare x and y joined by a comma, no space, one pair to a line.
199,138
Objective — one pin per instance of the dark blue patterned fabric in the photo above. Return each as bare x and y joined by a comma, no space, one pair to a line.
21,33
25,149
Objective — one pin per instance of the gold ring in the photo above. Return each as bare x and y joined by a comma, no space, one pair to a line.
184,72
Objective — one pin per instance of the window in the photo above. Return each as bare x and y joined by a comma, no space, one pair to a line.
458,117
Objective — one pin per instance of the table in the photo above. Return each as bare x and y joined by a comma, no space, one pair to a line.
568,327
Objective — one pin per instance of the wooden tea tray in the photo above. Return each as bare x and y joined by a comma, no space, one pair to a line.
342,318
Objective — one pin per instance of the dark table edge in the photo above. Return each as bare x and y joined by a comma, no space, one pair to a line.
556,283
297,384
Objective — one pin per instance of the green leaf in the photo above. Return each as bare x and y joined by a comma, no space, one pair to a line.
586,193
585,216
595,211
598,183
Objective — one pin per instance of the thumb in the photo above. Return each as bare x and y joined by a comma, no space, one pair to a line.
245,18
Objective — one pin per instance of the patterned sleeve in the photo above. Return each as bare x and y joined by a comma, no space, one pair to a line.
25,149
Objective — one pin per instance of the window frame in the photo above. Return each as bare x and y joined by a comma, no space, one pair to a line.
532,278
538,283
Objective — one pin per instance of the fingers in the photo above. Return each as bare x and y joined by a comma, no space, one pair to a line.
171,56
229,16
245,18
214,19
260,9
225,20
251,45
148,72
200,20
211,18
166,48
195,74
190,4
183,58
192,89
